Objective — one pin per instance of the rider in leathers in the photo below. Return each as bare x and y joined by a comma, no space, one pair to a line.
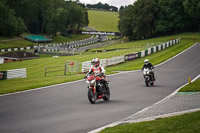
99,70
147,64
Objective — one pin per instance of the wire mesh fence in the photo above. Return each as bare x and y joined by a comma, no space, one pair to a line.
69,68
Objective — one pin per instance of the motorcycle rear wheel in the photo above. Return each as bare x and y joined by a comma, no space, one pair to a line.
92,97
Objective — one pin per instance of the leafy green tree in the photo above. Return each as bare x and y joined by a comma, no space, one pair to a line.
192,8
171,18
121,8
143,23
44,16
57,23
76,17
138,21
125,21
113,8
10,25
102,6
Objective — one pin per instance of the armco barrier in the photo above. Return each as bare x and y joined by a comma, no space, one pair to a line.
142,53
155,49
131,57
163,45
16,73
86,66
149,51
1,60
116,60
105,62
50,45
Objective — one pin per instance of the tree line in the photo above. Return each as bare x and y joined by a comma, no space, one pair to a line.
150,18
101,6
41,17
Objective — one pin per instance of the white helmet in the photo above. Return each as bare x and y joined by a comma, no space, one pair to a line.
95,62
146,61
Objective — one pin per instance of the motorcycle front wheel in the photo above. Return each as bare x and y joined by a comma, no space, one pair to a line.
147,82
152,83
92,96
107,95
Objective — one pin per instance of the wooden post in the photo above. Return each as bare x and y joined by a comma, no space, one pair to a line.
45,71
65,70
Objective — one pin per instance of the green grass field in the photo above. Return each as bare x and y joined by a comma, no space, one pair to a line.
136,46
103,20
187,123
35,68
13,42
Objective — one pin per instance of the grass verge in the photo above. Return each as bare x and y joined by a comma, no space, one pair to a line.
187,123
193,87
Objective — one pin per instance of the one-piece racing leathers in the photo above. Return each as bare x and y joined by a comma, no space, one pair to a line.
99,71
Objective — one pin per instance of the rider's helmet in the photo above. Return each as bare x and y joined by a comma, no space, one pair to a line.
95,62
146,61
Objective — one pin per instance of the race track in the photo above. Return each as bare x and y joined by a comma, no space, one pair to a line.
66,109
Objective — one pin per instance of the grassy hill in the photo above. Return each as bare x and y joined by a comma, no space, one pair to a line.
103,20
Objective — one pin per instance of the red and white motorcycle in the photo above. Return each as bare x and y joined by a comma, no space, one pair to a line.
96,90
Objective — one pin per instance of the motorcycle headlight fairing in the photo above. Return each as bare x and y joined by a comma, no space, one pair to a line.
92,82
146,72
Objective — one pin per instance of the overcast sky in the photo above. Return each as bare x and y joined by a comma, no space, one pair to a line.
117,3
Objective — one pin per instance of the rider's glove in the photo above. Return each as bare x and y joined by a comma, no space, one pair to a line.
101,74
85,77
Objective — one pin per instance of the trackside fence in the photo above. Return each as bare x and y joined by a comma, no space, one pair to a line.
15,73
56,47
129,57
69,68
52,69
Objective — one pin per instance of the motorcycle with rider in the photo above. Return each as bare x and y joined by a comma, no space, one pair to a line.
148,73
97,82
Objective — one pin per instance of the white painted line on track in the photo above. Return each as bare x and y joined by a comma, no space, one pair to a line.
144,119
127,120
40,88
163,116
83,79
169,96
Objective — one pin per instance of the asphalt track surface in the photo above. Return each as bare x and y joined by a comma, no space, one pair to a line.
65,108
